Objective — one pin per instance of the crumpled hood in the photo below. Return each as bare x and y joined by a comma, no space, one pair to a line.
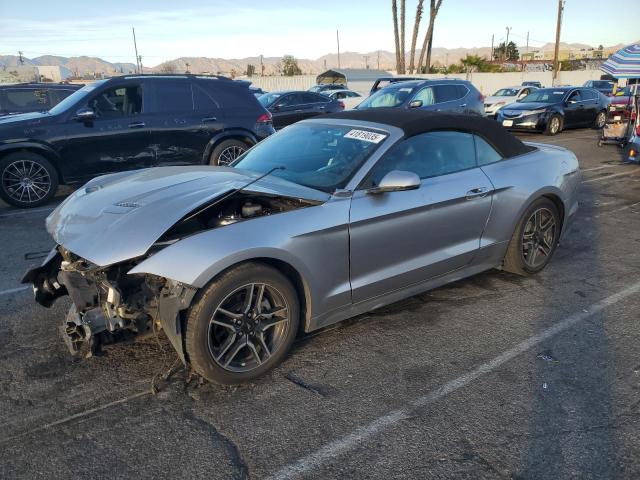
117,217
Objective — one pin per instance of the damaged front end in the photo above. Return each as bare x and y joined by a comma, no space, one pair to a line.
108,304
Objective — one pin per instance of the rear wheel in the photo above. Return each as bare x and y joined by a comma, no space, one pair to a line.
227,152
554,125
535,239
243,324
27,179
600,120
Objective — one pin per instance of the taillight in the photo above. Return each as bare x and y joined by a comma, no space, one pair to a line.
341,105
481,98
265,118
638,130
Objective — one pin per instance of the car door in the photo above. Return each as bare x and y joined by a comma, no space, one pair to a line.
286,110
398,239
116,139
180,132
591,107
573,110
314,104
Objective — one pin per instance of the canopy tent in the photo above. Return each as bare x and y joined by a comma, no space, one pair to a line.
625,63
345,75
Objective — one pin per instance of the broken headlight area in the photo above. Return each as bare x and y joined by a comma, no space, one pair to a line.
108,304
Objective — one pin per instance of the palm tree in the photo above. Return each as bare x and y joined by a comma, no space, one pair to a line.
414,38
394,10
428,38
402,24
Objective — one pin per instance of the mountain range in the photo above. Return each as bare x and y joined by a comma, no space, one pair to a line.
380,59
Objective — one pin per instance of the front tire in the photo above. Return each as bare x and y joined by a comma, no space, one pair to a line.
27,179
554,125
534,240
242,325
600,120
227,152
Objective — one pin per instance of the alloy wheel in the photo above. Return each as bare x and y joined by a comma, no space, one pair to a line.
26,181
555,125
229,154
601,119
248,326
538,238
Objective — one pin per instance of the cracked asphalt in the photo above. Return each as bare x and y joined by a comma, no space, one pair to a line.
454,383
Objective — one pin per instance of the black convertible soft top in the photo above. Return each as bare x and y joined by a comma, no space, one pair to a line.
414,122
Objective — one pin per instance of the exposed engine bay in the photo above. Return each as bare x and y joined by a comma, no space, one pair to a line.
111,305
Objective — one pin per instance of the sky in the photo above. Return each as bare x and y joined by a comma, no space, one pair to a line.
168,29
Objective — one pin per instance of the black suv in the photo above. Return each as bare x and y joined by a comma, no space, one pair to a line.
33,97
126,123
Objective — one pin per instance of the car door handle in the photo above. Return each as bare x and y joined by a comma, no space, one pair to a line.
463,105
136,125
478,192
209,119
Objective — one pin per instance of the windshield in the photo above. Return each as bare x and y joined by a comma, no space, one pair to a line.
268,98
323,157
392,96
603,84
75,97
546,95
506,92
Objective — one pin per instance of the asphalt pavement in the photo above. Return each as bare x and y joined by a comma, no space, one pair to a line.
495,376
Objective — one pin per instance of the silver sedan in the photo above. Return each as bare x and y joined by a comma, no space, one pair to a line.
327,219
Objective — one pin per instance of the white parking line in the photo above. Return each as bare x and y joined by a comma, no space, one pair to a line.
606,177
616,210
360,435
14,290
595,168
25,212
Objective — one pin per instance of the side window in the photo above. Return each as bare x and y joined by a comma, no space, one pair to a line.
426,96
485,153
204,100
118,102
339,95
25,99
351,94
428,155
313,98
575,96
289,100
588,94
446,93
462,91
56,96
173,96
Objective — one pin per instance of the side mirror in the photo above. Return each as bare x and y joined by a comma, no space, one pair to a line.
571,101
415,104
397,181
275,108
85,115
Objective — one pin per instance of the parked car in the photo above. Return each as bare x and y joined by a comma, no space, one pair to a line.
532,83
127,123
349,98
291,106
551,110
505,96
325,220
327,87
33,97
458,96
383,82
603,86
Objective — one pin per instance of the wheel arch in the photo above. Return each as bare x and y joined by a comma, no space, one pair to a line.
233,134
44,150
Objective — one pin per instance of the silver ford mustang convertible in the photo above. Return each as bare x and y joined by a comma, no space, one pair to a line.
325,220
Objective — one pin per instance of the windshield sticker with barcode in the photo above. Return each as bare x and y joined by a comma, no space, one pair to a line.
366,136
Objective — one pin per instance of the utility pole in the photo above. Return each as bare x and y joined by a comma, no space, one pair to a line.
527,42
261,66
378,59
366,62
140,62
187,65
21,59
135,46
506,44
556,52
492,58
338,40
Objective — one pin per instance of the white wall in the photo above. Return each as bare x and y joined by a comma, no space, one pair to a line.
487,83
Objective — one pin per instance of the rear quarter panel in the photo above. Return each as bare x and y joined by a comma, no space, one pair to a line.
519,181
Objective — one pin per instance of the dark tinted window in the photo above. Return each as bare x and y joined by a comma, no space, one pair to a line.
204,100
447,93
173,96
429,155
313,98
485,153
118,101
575,96
462,91
588,94
24,99
289,100
57,95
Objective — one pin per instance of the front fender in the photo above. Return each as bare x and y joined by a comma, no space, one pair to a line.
32,145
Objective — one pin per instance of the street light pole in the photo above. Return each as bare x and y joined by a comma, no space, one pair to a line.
338,40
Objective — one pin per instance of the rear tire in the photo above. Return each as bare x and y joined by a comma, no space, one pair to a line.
600,120
554,125
27,179
534,240
227,152
228,342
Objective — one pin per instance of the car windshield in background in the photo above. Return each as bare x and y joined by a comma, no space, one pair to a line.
268,98
392,96
547,95
75,97
506,92
603,84
323,157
